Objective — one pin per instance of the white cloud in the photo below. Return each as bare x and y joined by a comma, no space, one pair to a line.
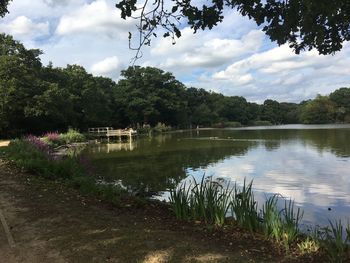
22,26
202,50
106,66
96,17
278,73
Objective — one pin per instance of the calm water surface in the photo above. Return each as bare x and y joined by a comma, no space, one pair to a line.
308,163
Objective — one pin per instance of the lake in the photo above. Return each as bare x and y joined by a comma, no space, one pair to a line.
308,163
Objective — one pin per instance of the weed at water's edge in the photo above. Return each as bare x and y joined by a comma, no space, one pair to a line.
244,207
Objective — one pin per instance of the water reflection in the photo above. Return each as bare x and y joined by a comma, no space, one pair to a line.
311,166
113,147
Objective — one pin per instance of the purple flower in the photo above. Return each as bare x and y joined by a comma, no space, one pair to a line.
39,144
52,136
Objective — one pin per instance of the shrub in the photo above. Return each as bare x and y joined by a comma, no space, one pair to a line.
52,138
308,246
145,129
33,155
161,127
72,136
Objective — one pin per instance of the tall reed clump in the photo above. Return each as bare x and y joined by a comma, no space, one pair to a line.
206,201
244,207
336,241
281,225
179,200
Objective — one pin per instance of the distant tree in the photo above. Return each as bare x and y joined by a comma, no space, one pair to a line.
235,109
150,95
318,111
341,97
271,111
19,83
290,113
303,24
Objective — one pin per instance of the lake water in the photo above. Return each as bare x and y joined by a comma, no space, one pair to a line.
308,163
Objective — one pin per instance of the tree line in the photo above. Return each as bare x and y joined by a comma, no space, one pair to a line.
35,98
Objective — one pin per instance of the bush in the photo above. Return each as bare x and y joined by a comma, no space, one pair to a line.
161,127
145,129
52,138
34,155
72,136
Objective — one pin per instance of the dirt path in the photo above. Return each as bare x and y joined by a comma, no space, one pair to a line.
52,223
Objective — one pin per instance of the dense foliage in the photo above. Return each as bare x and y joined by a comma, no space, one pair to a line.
303,24
37,156
36,98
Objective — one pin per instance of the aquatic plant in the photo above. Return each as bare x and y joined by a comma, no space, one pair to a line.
244,207
335,242
290,223
206,201
308,246
209,201
272,222
179,200
281,225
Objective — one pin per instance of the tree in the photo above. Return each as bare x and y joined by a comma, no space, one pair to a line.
19,83
3,7
341,97
271,111
303,24
318,111
150,95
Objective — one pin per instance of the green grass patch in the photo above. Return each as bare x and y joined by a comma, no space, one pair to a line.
33,155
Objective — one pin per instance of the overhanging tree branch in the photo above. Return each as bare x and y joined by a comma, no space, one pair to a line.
303,24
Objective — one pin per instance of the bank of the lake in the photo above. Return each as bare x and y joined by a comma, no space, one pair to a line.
34,155
308,163
51,222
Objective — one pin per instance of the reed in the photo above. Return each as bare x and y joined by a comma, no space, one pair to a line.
272,222
179,200
206,201
335,242
244,207
291,220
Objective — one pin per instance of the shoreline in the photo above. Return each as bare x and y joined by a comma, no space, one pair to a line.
149,230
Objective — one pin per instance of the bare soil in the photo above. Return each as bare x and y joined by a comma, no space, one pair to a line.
51,222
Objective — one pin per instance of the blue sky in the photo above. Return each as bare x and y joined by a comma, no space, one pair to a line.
235,58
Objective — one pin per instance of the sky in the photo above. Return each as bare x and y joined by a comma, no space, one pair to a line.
235,58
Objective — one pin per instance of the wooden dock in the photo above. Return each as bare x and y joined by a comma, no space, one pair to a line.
109,132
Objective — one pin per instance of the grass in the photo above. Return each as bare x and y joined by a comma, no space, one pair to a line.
36,156
335,242
244,207
206,201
